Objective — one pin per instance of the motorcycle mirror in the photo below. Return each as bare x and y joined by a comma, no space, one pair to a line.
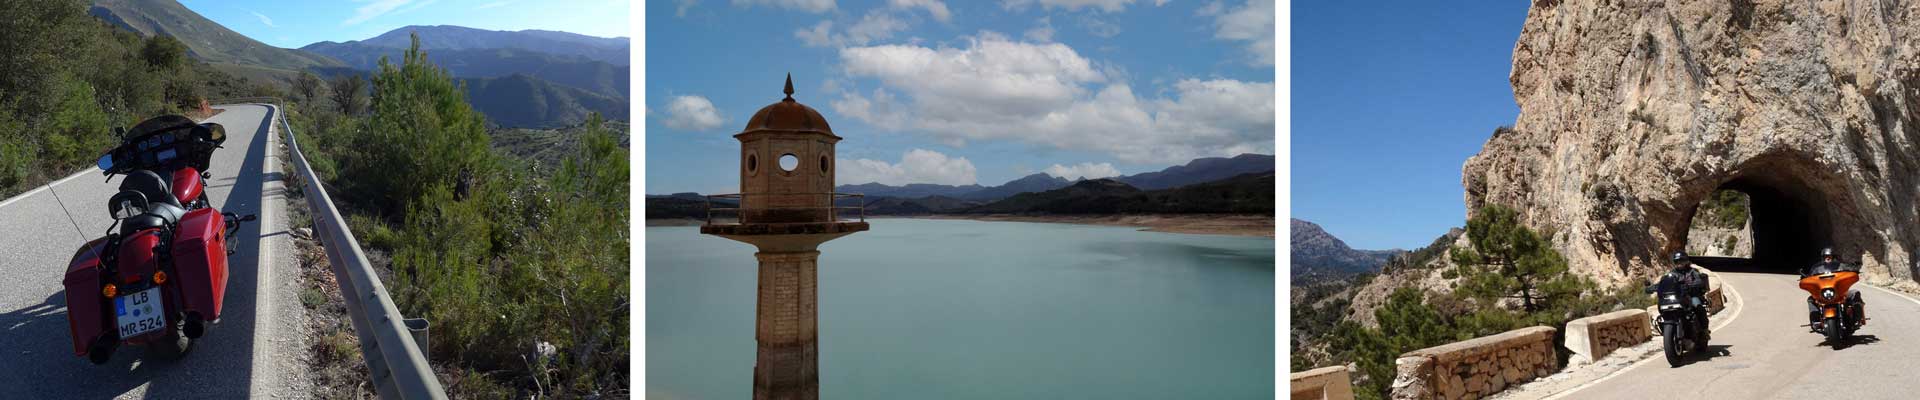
106,162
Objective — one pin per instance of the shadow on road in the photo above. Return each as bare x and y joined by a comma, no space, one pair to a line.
1713,351
1850,341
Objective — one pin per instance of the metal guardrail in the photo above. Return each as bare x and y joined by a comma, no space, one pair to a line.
398,367
832,208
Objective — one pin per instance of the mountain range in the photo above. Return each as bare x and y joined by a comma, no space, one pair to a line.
1316,253
524,79
1196,171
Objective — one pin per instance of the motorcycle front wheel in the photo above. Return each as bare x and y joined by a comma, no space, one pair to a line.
1833,331
1671,344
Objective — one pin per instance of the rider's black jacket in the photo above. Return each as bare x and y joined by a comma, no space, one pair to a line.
1691,280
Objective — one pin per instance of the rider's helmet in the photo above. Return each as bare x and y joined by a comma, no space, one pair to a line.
1826,254
1679,259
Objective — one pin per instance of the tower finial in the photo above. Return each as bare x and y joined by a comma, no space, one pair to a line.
789,87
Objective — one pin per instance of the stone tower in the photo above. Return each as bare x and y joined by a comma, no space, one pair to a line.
786,209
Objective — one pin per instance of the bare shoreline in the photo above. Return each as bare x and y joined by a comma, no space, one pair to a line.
1206,224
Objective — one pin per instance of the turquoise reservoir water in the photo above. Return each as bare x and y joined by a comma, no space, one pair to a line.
950,309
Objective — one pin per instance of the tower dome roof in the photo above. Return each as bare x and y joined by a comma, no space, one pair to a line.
788,115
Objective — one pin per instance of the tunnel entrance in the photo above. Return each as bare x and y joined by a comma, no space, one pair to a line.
1760,223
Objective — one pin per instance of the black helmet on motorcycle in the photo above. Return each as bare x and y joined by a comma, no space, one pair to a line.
1679,259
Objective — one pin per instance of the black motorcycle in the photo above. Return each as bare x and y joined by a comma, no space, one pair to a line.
1683,317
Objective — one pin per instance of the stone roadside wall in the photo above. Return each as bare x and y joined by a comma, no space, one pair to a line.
1478,367
1594,337
1330,383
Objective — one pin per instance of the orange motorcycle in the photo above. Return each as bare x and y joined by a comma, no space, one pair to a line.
1840,310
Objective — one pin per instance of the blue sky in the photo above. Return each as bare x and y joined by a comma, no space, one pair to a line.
961,92
1388,103
293,24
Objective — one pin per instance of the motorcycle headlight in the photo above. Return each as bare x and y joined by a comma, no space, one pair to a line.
1672,298
1826,294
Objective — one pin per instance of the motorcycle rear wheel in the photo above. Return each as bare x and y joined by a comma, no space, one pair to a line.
1671,344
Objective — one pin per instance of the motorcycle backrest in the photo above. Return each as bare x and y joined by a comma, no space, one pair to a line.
123,201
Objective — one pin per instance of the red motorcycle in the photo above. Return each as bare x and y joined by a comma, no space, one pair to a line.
160,277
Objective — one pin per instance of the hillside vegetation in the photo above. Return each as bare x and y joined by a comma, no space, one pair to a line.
66,79
505,259
1506,277
207,40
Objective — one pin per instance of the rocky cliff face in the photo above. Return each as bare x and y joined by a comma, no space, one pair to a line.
1633,112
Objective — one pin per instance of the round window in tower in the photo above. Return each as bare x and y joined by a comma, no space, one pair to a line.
753,165
825,164
788,162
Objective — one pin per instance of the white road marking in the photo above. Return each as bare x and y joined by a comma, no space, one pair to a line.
1741,305
1892,292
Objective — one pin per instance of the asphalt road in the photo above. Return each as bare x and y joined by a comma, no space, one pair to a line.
1766,353
255,351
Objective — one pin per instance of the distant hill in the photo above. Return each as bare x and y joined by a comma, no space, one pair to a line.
575,71
205,39
1031,183
447,37
1243,194
1197,171
1200,170
528,102
1314,252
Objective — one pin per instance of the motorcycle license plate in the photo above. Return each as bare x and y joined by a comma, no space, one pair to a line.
139,312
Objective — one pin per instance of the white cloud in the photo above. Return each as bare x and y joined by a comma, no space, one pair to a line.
936,8
692,113
1251,22
372,9
1069,5
1099,27
1042,32
496,4
264,20
875,26
1048,95
916,166
1084,170
881,110
1157,3
812,6
681,9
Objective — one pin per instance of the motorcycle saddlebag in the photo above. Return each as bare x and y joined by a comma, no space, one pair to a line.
200,260
86,318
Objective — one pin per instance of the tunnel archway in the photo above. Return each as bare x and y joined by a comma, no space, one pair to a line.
1790,219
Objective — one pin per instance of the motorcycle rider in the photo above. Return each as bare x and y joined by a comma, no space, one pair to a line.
1828,264
1694,284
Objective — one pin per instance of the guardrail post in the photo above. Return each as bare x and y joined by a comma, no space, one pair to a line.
418,327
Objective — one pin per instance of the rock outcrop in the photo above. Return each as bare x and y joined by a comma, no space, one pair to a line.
1633,112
